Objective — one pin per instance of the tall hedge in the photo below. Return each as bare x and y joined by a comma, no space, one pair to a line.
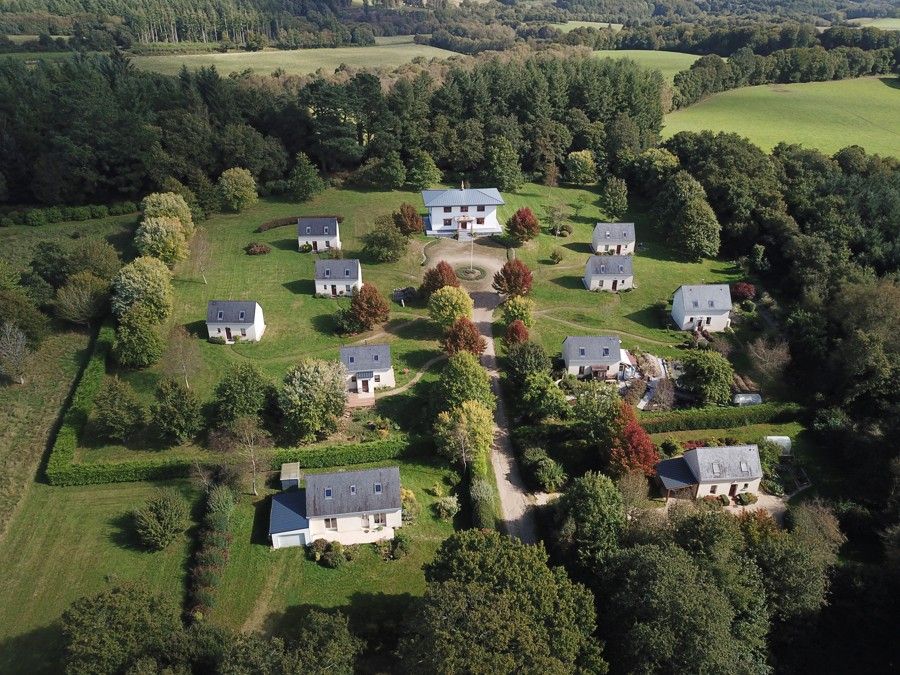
718,418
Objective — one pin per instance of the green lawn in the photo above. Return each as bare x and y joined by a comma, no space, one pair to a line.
19,39
66,543
569,26
668,63
823,115
295,62
746,434
883,23
269,590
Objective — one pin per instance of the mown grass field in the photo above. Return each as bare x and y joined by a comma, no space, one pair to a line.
296,62
66,543
882,23
668,63
823,115
569,26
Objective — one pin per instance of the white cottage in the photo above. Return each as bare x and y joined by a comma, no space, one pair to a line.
702,307
471,211
702,472
609,273
352,507
613,238
593,356
234,320
338,277
321,233
368,367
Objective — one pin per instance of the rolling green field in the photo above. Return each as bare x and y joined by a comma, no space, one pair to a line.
295,62
569,26
883,23
668,63
823,115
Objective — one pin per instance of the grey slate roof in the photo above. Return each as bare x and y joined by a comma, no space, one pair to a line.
338,269
288,512
720,465
675,474
316,227
613,233
231,311
342,502
610,265
704,294
593,347
366,357
469,197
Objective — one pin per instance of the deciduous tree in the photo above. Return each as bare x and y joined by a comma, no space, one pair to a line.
523,225
463,379
448,304
631,447
597,412
709,376
464,432
524,359
18,309
384,242
169,205
83,298
15,354
581,168
516,332
408,220
137,343
590,518
242,392
463,335
694,229
518,308
542,398
161,238
437,277
118,412
369,307
96,256
146,281
312,397
514,278
162,518
176,415
237,189
182,355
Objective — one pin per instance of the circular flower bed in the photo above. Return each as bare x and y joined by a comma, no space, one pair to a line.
466,273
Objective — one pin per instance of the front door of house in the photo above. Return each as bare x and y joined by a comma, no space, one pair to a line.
464,224
615,284
733,490
315,246
228,334
365,386
333,289
618,249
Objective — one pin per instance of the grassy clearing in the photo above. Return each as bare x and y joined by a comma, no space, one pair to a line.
19,39
823,115
883,23
746,434
66,543
569,26
296,62
271,590
668,63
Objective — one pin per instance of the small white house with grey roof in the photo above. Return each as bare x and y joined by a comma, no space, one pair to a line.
338,277
702,307
613,238
599,356
352,507
368,367
728,470
321,233
234,320
470,211
609,273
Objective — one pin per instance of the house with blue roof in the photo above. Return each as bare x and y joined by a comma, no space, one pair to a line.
352,507
368,368
469,211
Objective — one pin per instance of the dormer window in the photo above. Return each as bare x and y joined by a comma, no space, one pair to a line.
621,269
695,303
220,315
308,229
327,272
352,490
241,315
745,467
328,493
581,351
716,469
624,234
375,357
377,488
347,272
608,235
606,351
352,359
602,269
712,303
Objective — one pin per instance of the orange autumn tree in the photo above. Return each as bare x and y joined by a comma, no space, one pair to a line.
463,335
631,446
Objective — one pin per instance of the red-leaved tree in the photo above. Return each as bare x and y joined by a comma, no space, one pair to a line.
462,336
523,225
514,278
437,277
516,332
631,447
743,290
408,220
369,307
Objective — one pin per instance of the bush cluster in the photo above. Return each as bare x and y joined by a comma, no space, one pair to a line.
746,498
394,549
720,418
331,554
62,214
257,248
212,553
161,519
446,508
542,471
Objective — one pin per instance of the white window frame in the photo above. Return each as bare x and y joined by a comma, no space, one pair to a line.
378,489
380,519
331,524
329,493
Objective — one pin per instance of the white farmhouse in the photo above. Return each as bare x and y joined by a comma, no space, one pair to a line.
368,367
593,356
352,507
338,277
234,320
472,211
609,273
321,233
613,238
703,307
702,472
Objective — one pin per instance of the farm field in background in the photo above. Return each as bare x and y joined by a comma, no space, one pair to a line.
295,62
823,115
883,23
569,26
668,63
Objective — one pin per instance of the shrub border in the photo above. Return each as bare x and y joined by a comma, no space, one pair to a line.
719,418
